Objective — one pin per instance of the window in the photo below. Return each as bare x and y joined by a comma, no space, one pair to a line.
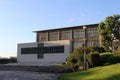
43,50
66,35
42,37
77,44
29,50
78,33
92,32
53,36
51,49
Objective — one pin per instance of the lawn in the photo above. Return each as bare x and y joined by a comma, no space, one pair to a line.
110,72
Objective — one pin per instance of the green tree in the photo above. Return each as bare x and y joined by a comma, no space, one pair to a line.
109,30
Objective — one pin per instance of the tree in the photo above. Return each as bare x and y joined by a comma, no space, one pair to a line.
109,30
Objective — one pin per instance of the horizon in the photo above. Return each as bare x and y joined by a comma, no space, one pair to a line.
19,18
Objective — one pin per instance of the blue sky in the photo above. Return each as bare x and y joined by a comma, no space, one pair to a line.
18,18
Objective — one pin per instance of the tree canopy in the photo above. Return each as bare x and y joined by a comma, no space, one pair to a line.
109,30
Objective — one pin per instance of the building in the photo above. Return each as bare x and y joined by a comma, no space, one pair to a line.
54,45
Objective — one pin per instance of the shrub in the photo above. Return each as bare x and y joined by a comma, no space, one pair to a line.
13,60
106,59
114,59
106,49
117,53
88,56
75,58
67,69
95,59
70,59
95,49
101,49
4,61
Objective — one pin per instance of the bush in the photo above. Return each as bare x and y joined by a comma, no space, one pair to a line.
101,49
95,59
4,61
117,53
114,59
96,49
109,58
75,58
71,58
67,69
13,60
106,58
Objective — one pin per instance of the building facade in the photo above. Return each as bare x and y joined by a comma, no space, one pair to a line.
76,34
55,45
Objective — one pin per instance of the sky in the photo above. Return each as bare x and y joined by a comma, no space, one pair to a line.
19,18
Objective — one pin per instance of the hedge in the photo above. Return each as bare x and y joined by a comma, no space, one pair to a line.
95,60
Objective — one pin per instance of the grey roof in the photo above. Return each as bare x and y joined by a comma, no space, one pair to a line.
66,28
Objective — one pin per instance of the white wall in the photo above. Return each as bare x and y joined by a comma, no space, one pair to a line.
25,57
50,57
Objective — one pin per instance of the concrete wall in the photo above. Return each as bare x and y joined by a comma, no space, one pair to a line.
49,58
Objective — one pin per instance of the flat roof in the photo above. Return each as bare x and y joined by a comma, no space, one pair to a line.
64,28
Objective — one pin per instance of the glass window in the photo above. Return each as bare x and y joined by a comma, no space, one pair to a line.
53,35
92,32
42,36
43,50
77,44
66,35
78,33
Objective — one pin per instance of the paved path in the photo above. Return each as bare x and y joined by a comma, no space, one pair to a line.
26,75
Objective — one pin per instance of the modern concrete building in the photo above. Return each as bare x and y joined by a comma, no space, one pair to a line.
54,45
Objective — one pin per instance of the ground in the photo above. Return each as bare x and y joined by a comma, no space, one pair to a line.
26,75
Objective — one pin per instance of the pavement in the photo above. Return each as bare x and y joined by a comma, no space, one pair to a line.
34,63
26,75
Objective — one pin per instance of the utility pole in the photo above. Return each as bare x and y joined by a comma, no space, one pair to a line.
84,46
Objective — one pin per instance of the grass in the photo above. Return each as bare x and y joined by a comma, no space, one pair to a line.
111,72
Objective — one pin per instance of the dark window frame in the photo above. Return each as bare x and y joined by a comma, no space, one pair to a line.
43,50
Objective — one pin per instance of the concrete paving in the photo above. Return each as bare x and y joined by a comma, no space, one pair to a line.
26,75
34,63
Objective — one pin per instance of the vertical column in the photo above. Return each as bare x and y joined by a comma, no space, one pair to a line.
85,45
37,37
85,36
71,34
72,41
47,36
59,35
